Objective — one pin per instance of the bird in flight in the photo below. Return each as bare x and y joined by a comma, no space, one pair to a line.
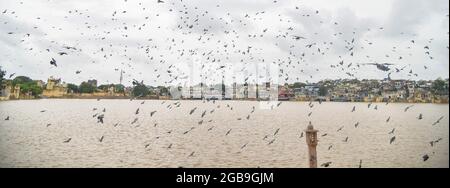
392,140
392,132
425,157
438,121
383,67
420,117
53,62
326,165
68,140
409,107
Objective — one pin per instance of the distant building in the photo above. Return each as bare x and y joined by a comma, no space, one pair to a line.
54,88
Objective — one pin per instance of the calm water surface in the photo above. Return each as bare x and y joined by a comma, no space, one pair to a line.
26,140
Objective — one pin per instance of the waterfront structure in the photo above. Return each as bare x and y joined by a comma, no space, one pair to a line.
55,88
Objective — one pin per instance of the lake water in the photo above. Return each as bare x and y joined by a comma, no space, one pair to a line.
27,139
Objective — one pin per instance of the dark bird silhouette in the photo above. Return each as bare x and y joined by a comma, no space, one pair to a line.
101,139
354,109
420,117
434,142
100,118
409,107
383,67
326,165
271,142
346,139
7,118
67,141
340,129
137,111
245,145
135,120
392,140
192,111
152,113
160,1
360,163
204,113
229,131
276,132
298,37
53,62
192,154
425,157
392,132
301,135
438,121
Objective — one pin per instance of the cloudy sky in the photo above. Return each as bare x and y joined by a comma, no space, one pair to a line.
158,42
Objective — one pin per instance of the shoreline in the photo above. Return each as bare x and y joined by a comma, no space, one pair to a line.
249,100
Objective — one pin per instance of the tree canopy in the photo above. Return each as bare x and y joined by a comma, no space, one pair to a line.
86,88
2,74
439,87
27,85
140,90
73,88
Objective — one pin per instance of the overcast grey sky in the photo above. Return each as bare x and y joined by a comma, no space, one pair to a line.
149,40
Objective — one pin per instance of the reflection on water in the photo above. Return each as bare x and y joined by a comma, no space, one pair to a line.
32,138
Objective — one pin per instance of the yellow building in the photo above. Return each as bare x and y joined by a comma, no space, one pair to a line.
54,88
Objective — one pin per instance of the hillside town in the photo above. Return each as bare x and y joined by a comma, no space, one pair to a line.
344,90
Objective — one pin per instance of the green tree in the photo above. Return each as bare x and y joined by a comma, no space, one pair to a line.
2,74
299,85
439,87
140,90
27,85
86,88
163,91
31,87
73,88
21,80
323,91
119,88
105,87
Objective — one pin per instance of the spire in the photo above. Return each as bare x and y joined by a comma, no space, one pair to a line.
121,76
